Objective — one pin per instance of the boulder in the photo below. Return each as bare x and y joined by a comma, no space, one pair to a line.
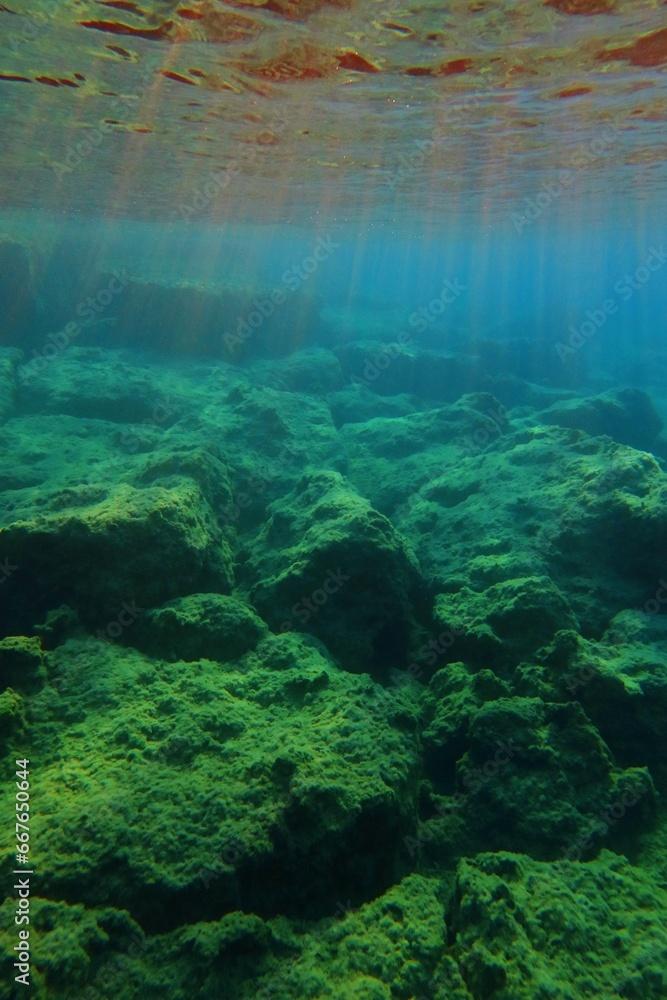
86,523
586,513
211,626
506,622
283,769
328,564
621,680
626,415
21,663
524,784
526,929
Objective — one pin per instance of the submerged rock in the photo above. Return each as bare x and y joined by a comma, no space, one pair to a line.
282,769
104,553
627,415
587,513
621,680
505,623
211,626
101,385
234,324
392,458
391,368
21,663
228,811
539,798
329,564
524,929
86,524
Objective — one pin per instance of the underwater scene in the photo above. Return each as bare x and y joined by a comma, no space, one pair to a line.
333,499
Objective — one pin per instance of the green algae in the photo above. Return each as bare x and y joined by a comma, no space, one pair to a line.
327,561
530,930
276,766
246,790
199,626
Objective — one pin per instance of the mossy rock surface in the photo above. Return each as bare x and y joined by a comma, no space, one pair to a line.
328,563
531,931
621,680
218,784
134,531
21,663
628,416
199,626
587,513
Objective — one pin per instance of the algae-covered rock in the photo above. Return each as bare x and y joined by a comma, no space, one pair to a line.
270,437
12,718
392,368
589,514
67,945
99,384
524,929
234,323
327,563
21,663
506,622
357,404
392,946
389,948
59,624
282,769
542,797
314,371
214,626
108,553
455,694
391,458
626,415
221,810
84,523
621,680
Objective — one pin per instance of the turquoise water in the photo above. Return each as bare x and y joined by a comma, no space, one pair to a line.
333,501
